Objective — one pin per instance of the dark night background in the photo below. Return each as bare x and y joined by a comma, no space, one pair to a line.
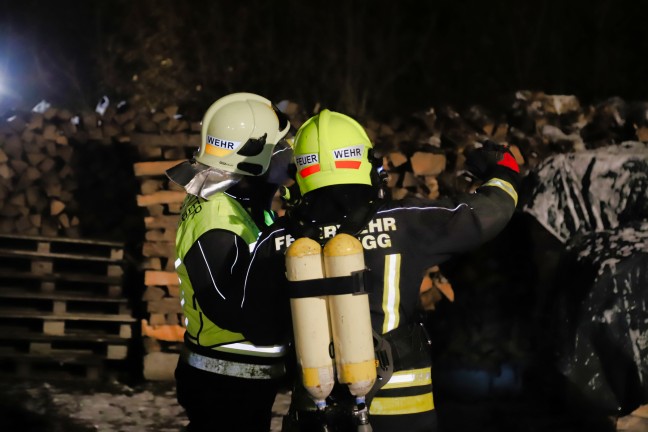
361,57
371,59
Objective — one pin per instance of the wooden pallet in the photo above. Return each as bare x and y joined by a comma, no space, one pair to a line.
62,264
16,341
55,365
66,323
78,282
44,264
66,247
47,255
62,309
63,301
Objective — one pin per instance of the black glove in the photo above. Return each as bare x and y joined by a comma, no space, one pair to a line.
493,160
290,195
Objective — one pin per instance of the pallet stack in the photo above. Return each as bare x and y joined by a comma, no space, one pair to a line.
62,311
163,328
40,167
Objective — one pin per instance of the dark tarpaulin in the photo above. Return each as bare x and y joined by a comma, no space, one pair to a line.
595,202
591,190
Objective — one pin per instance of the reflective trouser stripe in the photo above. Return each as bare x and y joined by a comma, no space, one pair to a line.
402,405
234,369
409,378
396,405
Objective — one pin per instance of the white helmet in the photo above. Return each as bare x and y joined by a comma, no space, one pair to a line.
239,134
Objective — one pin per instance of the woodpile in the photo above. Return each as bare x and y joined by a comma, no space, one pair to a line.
423,154
161,199
37,183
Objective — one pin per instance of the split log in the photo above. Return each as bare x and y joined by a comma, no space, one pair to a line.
161,197
153,168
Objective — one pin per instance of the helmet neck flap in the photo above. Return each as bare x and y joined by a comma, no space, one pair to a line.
351,206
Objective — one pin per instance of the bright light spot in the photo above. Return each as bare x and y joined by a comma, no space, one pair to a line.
102,105
41,107
3,89
8,94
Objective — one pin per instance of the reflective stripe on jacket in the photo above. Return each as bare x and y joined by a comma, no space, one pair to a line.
211,347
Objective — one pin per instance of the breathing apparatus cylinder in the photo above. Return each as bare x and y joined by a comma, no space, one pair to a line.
350,319
310,321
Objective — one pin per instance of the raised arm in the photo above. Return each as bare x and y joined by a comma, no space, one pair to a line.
460,223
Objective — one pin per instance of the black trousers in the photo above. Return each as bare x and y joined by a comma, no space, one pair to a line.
218,403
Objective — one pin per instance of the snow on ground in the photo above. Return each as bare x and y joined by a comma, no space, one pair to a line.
77,406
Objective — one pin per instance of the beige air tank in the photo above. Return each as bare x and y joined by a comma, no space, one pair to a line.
310,321
350,319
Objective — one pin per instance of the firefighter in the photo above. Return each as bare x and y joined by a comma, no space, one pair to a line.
222,378
342,192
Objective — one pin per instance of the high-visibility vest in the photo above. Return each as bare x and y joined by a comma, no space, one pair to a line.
197,217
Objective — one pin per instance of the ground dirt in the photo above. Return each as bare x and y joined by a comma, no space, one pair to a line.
79,406
84,406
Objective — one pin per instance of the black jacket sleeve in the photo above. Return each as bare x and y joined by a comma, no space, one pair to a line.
266,305
216,265
456,224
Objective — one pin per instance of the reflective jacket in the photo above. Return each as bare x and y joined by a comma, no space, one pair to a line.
213,241
402,240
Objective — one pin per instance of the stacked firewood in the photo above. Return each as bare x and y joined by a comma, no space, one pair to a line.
423,154
37,183
164,143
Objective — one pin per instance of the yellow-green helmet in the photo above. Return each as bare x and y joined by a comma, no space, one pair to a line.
239,133
330,149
